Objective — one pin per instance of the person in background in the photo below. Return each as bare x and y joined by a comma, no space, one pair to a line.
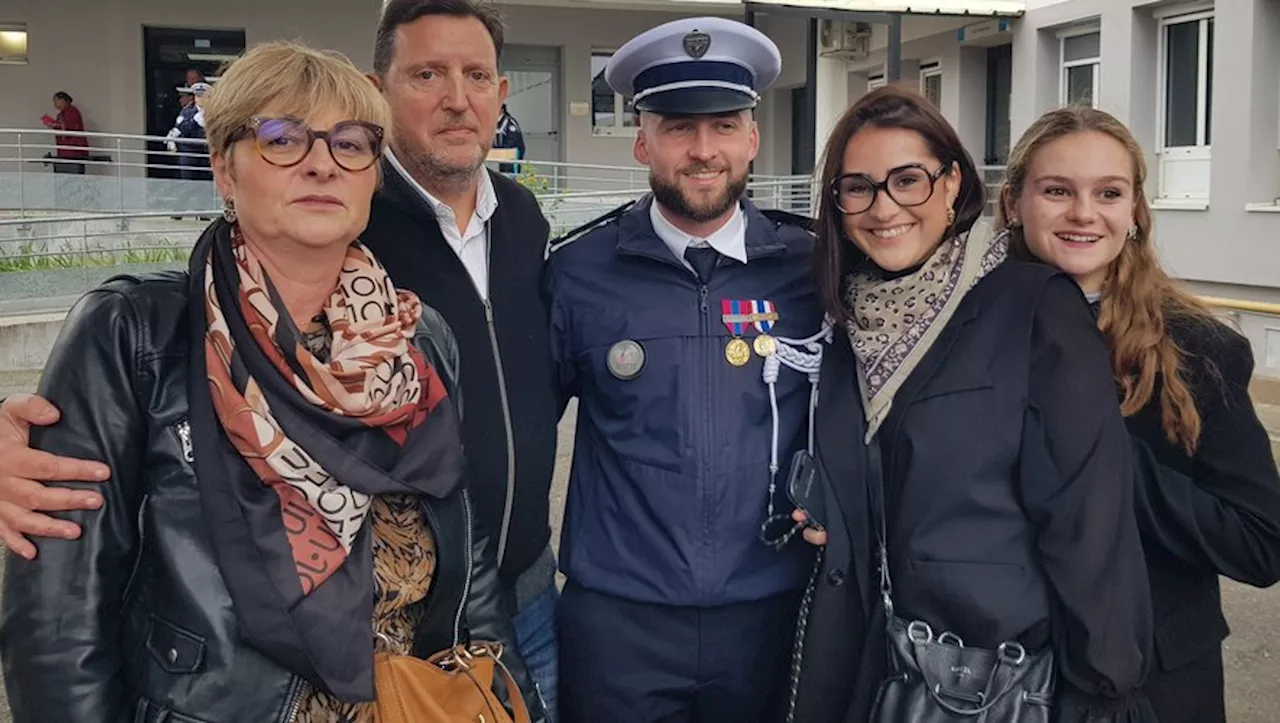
74,147
186,109
1208,492
194,76
190,126
966,416
289,491
470,243
509,135
665,316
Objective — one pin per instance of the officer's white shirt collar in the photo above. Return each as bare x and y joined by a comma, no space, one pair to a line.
730,239
472,244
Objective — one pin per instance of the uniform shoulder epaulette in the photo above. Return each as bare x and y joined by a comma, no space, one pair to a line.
780,217
565,239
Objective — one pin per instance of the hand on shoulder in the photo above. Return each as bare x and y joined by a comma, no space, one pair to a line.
23,472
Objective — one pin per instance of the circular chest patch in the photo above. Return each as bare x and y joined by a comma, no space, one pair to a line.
626,359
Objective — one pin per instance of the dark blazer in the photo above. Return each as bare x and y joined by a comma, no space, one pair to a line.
509,425
133,621
1214,512
1009,502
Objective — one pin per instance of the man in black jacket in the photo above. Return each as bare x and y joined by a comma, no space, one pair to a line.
470,243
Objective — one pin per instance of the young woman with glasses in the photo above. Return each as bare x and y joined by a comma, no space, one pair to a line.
287,501
966,402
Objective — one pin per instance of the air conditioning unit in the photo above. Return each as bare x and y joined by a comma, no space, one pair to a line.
842,39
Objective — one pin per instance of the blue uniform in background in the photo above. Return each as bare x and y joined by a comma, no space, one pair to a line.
507,134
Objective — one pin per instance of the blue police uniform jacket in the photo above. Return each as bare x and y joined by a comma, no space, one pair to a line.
670,474
189,128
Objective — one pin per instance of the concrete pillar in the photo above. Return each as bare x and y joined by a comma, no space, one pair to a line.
910,77
831,85
970,100
858,85
1035,76
1244,134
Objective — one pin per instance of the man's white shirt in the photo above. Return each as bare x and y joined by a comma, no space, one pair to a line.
471,245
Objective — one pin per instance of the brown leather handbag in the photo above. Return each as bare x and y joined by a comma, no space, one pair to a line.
452,686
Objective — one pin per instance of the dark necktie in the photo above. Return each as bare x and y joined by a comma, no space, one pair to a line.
703,260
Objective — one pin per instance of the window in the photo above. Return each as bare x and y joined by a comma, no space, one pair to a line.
875,81
1186,105
1081,62
999,97
611,114
13,44
931,83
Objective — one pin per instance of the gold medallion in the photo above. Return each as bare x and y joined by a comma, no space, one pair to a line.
737,352
765,345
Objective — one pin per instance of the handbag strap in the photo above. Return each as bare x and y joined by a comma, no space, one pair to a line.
460,657
518,707
875,495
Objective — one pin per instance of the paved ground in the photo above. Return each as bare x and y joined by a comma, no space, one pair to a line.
1252,653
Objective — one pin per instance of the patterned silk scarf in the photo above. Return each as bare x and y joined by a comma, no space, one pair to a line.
290,448
372,375
896,320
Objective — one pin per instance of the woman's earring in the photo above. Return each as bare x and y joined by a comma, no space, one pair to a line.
1133,232
229,210
951,215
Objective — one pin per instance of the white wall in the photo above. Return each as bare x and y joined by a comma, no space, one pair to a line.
964,79
609,29
93,49
98,59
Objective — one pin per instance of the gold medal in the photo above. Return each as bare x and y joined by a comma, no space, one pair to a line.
737,352
765,345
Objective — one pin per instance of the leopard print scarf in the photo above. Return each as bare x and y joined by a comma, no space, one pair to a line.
896,321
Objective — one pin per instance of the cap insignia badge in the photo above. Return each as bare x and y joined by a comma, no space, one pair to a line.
696,44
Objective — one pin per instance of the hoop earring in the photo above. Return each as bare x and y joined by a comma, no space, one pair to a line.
229,210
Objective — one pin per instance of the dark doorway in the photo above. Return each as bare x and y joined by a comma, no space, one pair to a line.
999,92
169,53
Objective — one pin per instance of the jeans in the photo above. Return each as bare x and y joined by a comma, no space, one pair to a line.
536,640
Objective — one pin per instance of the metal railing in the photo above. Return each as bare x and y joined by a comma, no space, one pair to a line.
120,173
135,198
1241,305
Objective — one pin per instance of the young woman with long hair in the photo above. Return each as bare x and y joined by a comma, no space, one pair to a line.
1208,493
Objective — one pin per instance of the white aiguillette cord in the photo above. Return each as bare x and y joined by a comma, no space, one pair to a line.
804,356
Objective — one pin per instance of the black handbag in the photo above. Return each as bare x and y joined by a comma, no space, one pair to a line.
936,678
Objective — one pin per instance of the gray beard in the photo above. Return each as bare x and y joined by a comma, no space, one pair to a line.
433,172
673,200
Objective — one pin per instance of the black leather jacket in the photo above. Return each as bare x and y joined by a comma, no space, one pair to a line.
133,621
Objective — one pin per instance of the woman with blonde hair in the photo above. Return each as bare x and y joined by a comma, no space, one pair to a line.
1208,493
287,526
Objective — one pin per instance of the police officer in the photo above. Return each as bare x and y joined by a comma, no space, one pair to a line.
190,125
508,134
664,319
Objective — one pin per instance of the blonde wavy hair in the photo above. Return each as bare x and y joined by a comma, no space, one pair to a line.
292,79
1138,296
